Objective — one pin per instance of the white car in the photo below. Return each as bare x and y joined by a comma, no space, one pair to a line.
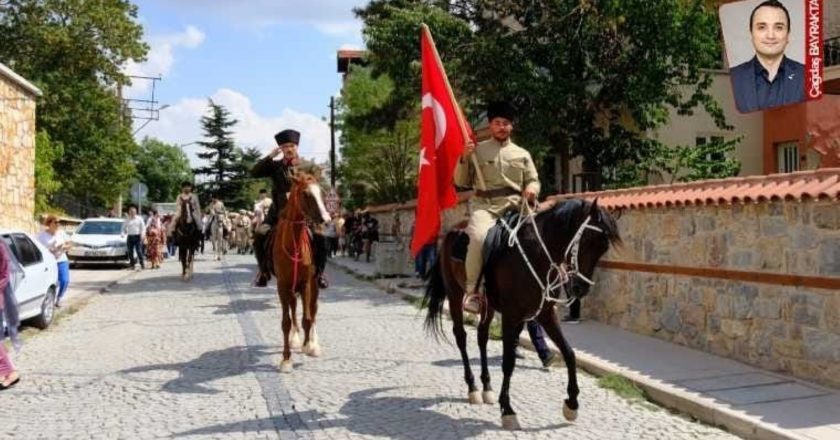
98,240
37,289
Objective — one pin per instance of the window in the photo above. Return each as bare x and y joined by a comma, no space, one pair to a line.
11,245
27,253
703,140
100,228
788,157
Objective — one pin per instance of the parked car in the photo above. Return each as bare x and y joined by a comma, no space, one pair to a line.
37,290
98,240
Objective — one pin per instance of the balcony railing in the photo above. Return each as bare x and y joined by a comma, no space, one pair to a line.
832,51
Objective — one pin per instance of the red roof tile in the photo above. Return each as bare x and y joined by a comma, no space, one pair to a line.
819,184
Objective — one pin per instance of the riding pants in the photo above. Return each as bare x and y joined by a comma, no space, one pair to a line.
481,220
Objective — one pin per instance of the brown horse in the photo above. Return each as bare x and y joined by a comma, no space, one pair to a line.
557,252
294,265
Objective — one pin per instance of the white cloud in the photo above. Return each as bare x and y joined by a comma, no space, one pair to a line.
161,57
180,124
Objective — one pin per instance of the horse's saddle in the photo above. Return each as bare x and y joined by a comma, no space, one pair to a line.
497,237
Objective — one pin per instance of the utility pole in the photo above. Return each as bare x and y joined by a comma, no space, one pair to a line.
332,141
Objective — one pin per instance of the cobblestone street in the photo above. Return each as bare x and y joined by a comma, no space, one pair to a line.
157,358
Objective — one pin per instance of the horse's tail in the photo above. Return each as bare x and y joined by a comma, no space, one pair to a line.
434,299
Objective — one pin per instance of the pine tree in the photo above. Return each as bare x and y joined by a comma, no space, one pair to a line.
221,155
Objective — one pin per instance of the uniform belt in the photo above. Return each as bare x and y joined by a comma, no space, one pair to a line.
493,193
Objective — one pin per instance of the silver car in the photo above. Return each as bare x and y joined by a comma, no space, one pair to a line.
98,240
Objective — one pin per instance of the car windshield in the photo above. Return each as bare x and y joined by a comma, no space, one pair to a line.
100,228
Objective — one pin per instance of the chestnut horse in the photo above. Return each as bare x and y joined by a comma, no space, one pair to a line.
294,264
554,251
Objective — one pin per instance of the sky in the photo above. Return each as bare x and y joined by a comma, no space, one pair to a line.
271,63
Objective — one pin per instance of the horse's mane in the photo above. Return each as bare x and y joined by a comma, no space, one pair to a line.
566,212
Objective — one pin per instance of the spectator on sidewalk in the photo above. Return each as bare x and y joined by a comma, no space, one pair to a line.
331,235
425,258
170,242
135,230
10,272
155,238
57,242
573,317
537,335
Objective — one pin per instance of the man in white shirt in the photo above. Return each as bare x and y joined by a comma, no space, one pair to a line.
135,229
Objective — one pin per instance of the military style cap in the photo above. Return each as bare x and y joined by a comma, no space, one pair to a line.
286,136
500,109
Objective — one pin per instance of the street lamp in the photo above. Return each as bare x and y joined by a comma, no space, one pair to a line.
156,116
181,146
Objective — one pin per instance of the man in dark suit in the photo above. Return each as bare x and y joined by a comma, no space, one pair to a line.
280,172
769,79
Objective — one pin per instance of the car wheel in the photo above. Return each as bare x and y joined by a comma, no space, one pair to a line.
44,320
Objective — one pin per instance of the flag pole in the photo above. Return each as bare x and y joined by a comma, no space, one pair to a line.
460,115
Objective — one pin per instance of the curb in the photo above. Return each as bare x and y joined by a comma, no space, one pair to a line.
698,407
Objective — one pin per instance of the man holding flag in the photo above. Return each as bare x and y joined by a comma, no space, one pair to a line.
509,176
501,172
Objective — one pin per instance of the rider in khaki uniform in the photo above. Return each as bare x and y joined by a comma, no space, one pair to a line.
509,175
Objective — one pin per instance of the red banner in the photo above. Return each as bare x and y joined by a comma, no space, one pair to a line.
443,133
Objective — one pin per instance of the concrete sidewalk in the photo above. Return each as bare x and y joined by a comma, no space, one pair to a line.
747,401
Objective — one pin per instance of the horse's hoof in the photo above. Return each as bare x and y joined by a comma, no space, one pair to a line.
510,423
294,341
489,397
568,413
475,397
286,366
314,351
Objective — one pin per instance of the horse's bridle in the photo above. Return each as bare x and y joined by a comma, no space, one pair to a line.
558,275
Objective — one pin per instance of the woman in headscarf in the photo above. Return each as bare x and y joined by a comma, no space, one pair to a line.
10,273
155,237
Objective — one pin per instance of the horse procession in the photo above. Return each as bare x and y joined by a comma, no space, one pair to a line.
514,256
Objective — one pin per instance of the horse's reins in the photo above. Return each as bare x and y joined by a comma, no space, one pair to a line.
558,275
297,243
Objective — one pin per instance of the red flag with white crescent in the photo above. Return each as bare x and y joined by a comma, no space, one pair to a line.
443,132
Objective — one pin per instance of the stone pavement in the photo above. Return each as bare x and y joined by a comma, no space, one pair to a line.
155,357
747,401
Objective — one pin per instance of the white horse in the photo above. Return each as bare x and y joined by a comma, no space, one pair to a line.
217,235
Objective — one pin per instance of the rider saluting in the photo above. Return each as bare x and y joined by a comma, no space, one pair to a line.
281,170
509,175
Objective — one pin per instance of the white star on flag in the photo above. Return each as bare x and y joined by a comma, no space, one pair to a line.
423,160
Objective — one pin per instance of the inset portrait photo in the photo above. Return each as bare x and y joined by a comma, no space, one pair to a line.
766,52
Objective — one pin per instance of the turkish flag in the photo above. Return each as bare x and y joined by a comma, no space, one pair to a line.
443,133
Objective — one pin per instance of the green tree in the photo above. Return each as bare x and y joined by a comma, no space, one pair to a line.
379,164
74,50
162,167
392,36
46,183
220,154
591,78
249,187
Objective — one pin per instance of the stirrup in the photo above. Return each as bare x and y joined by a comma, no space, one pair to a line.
474,302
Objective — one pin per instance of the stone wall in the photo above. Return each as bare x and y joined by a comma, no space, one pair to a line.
785,328
17,156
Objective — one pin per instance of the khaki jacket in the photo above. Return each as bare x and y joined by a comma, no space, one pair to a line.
503,166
